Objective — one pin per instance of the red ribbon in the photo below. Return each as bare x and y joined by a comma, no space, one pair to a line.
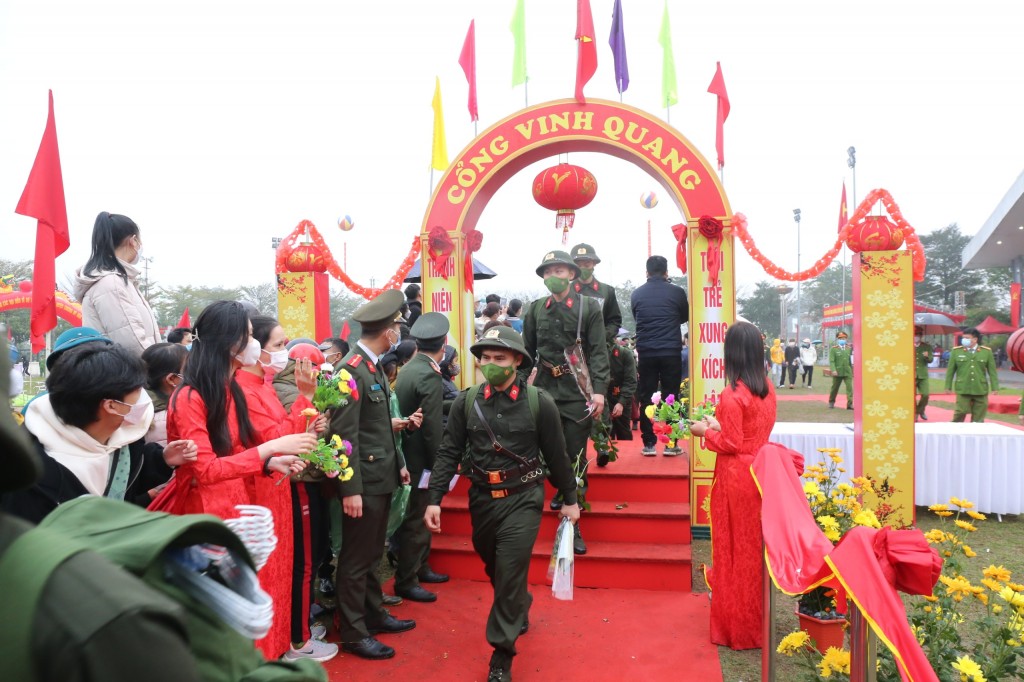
679,232
711,229
440,247
474,239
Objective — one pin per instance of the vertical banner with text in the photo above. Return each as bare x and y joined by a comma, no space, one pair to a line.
303,305
444,291
712,310
883,374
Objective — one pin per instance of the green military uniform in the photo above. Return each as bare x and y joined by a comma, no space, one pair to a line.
621,388
923,355
419,386
972,375
507,493
604,293
842,371
549,326
377,463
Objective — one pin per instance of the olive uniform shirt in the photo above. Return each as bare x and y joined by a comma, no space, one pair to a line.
623,375
509,416
839,361
969,369
923,354
366,422
419,385
549,326
605,293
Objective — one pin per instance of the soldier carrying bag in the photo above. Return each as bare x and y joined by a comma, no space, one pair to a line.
528,472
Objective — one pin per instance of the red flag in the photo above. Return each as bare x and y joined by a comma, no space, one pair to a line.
586,57
43,199
345,332
467,60
843,219
185,322
717,87
1014,305
10,337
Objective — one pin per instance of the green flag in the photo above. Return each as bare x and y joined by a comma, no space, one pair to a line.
669,94
518,28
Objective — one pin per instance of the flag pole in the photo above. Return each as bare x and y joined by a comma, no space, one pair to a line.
526,93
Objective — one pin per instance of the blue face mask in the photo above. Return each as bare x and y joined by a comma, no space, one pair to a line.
966,343
842,343
188,346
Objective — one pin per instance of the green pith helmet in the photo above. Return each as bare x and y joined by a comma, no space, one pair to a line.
585,251
504,338
558,258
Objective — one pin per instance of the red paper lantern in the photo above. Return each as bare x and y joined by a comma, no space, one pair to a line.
25,286
874,233
306,258
1015,349
564,188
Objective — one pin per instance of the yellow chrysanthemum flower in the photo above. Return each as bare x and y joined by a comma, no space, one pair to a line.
1016,587
968,552
811,488
834,660
336,441
935,536
793,642
977,516
944,513
957,586
982,597
997,609
938,507
931,598
343,462
347,475
344,375
867,518
967,667
1012,598
991,584
969,527
1000,573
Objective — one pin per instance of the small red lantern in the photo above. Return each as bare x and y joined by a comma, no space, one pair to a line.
874,233
1015,349
25,286
306,258
564,188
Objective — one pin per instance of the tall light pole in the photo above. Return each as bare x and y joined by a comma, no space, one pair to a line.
796,217
784,290
851,161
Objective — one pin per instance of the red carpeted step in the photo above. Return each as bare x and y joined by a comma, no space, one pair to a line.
623,565
664,522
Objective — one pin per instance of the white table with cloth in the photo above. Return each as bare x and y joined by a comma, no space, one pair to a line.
983,463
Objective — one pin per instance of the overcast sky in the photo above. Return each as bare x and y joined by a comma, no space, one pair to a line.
219,125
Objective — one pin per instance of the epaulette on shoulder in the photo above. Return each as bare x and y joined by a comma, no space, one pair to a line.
985,347
354,360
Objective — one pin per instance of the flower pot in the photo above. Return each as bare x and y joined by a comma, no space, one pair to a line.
825,633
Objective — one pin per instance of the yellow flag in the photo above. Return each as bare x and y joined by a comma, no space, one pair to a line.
439,156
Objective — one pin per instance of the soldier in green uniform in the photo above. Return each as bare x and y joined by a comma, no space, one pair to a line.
972,375
842,370
923,354
419,387
621,386
378,468
550,326
512,431
587,285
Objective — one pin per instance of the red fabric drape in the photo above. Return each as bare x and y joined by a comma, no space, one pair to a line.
586,59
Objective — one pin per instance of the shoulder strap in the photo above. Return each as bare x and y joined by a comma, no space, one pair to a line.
25,568
533,398
579,318
471,394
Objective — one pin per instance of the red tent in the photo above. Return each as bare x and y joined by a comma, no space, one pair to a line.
993,326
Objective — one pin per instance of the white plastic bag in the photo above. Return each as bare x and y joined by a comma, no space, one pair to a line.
562,561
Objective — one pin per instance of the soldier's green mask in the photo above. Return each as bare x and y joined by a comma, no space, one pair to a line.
556,285
496,375
586,274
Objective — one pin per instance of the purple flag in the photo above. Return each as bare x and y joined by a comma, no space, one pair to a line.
617,41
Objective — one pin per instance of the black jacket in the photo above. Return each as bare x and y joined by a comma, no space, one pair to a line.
659,308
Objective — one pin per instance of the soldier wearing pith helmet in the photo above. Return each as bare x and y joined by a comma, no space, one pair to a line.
511,430
586,259
378,469
564,334
419,387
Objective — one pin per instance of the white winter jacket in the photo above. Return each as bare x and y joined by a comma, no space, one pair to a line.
117,309
808,356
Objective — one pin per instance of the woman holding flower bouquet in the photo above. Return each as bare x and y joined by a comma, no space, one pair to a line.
742,424
288,575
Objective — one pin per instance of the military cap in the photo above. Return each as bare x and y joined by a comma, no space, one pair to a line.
584,251
430,327
557,258
842,335
22,466
71,338
381,312
504,338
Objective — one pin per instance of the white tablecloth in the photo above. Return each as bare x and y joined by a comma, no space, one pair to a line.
983,463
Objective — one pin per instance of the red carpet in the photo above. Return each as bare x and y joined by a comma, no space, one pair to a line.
603,634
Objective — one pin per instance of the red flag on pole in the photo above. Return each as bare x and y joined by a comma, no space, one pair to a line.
467,60
185,322
345,332
717,87
1014,305
843,219
586,57
43,199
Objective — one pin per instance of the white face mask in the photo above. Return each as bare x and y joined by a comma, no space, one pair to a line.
138,253
137,411
278,359
251,354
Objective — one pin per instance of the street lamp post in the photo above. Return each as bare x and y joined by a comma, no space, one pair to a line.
784,290
796,217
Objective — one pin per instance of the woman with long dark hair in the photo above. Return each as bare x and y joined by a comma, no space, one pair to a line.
108,289
210,409
742,424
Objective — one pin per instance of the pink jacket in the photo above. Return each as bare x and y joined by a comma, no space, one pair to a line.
117,309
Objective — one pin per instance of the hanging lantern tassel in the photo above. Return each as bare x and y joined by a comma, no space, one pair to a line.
564,220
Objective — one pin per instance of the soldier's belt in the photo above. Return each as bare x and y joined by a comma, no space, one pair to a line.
616,390
500,493
523,472
555,370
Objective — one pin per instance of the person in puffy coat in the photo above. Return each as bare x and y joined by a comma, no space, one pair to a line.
107,286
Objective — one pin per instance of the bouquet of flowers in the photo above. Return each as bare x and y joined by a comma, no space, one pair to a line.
669,416
331,457
334,391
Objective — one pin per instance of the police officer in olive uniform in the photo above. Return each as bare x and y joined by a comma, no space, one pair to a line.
842,370
622,386
923,354
378,469
550,325
511,431
587,285
973,367
419,387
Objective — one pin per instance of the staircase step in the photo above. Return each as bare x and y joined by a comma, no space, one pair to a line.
638,522
610,486
625,565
